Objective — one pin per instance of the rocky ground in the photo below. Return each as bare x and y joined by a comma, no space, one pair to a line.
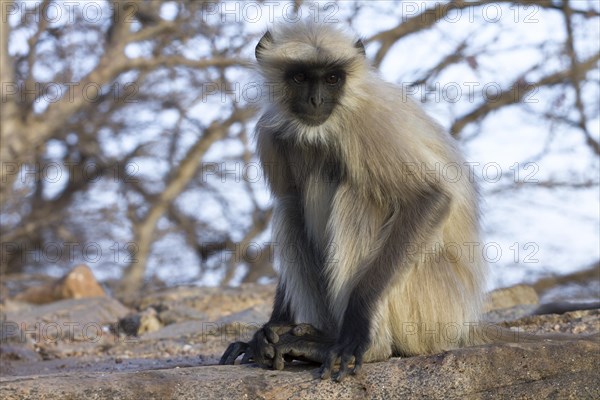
57,343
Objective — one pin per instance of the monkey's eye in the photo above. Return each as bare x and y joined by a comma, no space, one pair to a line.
299,77
332,79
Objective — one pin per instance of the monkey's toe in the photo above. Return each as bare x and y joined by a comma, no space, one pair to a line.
233,352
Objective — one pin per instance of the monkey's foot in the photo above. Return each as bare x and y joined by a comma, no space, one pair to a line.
305,343
260,349
273,345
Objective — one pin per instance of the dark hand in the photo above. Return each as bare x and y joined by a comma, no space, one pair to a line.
350,347
260,349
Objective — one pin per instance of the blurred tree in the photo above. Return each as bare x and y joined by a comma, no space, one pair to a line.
102,128
124,124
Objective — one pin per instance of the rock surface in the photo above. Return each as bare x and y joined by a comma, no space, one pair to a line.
511,297
516,371
173,350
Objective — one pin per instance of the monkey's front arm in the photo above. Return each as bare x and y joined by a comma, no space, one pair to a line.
411,222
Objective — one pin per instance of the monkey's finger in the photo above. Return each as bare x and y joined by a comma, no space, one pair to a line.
358,363
270,334
225,357
269,351
278,360
263,356
248,358
233,352
344,366
304,329
325,371
278,330
293,350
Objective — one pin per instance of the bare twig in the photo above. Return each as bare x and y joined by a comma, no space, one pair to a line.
576,77
518,91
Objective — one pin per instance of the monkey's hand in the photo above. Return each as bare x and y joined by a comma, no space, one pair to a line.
350,347
261,349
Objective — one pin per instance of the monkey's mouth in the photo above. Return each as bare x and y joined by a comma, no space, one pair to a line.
313,120
312,117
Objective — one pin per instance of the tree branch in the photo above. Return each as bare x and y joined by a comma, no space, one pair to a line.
431,16
10,124
186,170
518,91
576,77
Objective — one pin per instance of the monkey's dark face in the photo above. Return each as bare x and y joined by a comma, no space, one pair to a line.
312,92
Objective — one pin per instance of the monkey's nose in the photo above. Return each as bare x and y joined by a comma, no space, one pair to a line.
316,101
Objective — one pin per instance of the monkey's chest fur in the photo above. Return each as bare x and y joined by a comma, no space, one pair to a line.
335,230
317,174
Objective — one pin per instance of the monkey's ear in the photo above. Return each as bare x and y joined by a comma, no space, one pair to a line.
361,47
262,44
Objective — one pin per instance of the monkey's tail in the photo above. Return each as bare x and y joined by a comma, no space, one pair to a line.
492,333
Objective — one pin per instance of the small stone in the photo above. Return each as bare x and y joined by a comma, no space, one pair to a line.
78,283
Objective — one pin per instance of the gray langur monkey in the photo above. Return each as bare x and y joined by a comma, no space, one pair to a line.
376,245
